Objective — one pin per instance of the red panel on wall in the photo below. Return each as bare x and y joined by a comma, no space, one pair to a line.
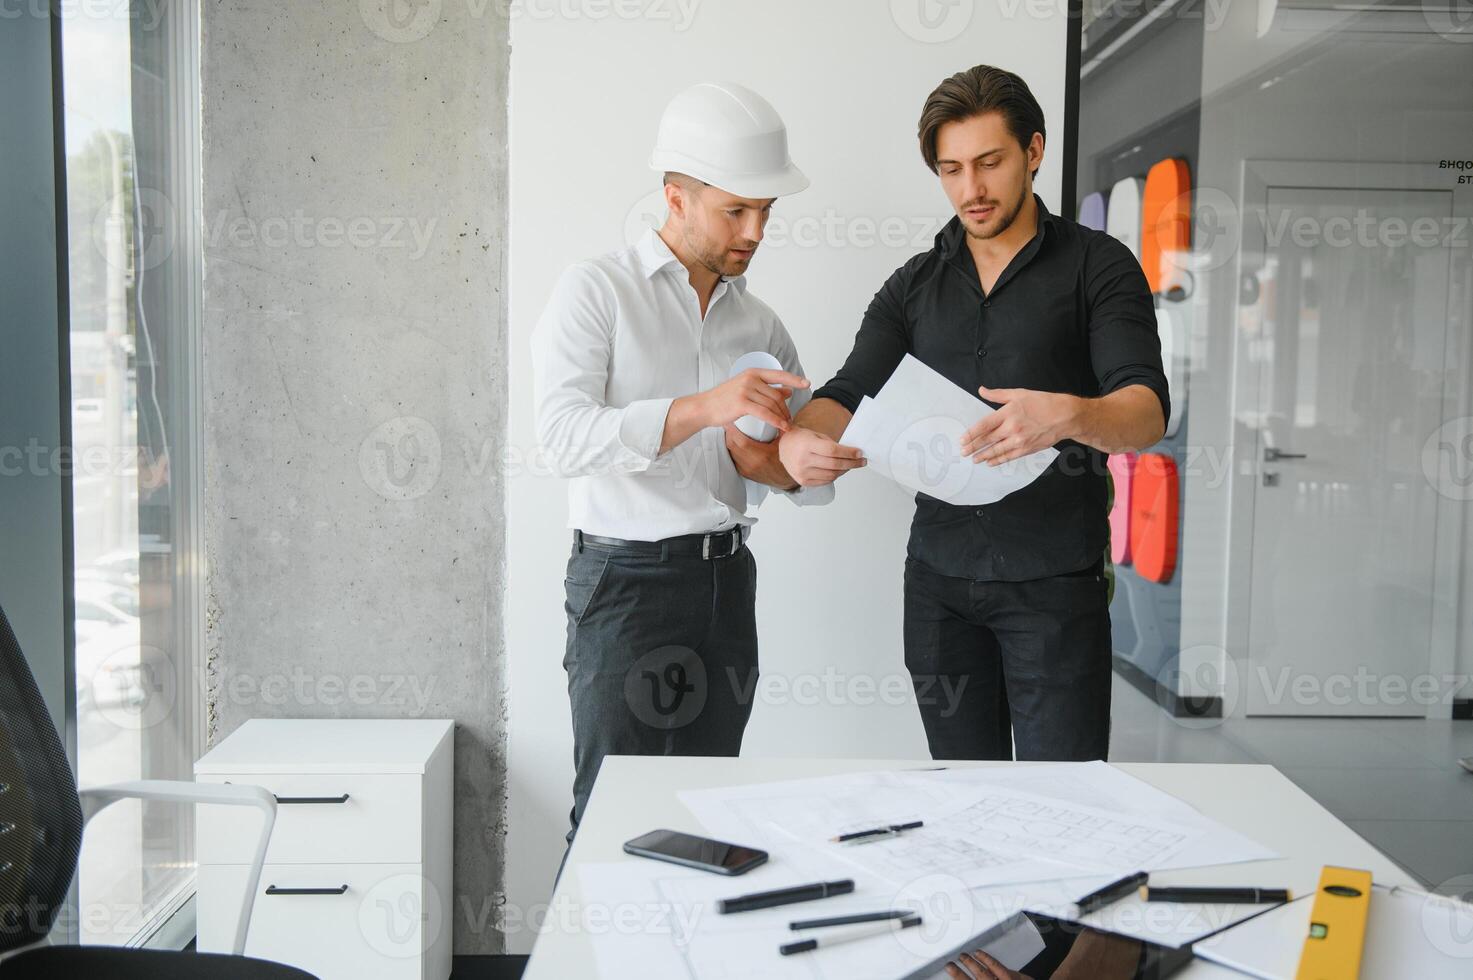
1122,471
1166,219
1155,505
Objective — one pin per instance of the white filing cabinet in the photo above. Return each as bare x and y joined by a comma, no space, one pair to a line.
357,877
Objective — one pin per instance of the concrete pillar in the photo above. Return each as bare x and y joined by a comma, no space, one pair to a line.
354,158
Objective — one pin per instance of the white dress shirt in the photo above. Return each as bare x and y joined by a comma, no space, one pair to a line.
622,337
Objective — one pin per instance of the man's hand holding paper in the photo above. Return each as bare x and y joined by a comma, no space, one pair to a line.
916,430
1028,421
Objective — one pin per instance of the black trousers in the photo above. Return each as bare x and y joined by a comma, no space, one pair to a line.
661,656
996,664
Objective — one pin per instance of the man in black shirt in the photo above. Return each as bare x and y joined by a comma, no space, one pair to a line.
1053,324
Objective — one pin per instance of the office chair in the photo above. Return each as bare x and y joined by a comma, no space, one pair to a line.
42,816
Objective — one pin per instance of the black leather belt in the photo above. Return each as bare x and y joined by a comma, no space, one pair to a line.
717,544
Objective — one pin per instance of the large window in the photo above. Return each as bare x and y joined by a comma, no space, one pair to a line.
130,76
1296,177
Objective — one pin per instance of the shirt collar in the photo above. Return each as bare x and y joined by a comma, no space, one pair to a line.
951,236
655,255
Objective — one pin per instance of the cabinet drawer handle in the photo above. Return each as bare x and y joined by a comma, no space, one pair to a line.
273,890
285,800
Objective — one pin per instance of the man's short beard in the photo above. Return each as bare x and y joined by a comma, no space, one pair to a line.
1007,220
708,257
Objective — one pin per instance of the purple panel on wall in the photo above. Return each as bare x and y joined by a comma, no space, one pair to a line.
1092,211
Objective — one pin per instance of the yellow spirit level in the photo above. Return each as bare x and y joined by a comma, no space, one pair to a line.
1337,926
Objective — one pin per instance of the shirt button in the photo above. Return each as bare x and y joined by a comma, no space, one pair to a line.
987,302
981,513
981,351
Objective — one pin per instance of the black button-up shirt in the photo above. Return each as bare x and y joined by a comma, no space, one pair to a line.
1070,313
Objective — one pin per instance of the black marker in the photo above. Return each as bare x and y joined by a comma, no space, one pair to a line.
1218,896
784,896
1110,894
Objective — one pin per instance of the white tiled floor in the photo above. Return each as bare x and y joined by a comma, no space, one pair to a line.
1396,782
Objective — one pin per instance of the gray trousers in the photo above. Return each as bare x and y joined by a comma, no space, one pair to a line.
661,656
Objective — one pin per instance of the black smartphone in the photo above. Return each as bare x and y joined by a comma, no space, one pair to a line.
691,851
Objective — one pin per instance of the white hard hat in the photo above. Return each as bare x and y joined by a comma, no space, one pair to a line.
730,137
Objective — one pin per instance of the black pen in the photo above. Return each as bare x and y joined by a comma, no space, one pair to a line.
887,831
849,935
1218,896
784,896
849,920
1111,893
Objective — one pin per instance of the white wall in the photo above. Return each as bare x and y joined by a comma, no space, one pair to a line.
587,88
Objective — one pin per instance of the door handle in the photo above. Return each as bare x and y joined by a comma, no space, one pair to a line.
285,800
1272,455
273,890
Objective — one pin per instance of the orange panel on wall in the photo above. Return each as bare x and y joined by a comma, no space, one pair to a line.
1166,219
1155,505
1122,471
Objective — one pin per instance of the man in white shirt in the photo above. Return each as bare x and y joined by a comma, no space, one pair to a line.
631,361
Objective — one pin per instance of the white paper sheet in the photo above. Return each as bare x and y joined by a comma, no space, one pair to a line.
982,831
649,919
1408,934
1105,786
911,433
1012,836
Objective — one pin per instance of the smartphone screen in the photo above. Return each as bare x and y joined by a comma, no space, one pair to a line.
696,852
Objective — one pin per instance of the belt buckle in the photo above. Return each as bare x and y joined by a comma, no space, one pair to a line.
735,536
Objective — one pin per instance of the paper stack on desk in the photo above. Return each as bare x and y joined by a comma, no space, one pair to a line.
994,843
983,826
911,432
1032,837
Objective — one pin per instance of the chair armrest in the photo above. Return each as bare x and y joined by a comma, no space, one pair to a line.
98,798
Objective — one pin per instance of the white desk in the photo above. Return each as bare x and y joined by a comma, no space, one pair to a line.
634,795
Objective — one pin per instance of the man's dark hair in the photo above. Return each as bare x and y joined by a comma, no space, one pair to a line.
974,92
